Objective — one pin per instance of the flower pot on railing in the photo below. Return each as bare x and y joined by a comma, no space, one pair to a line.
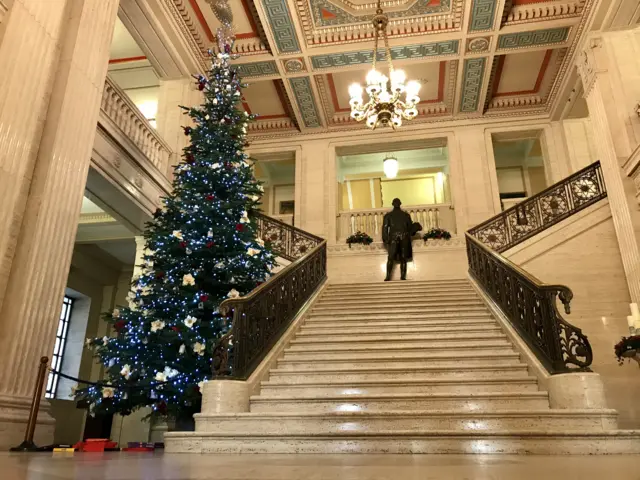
436,234
359,237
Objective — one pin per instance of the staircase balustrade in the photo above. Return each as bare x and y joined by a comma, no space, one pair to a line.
541,211
370,220
124,114
529,304
261,317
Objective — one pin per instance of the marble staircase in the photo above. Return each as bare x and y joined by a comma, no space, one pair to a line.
403,367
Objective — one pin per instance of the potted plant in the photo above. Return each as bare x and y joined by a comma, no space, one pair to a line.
436,234
359,237
628,347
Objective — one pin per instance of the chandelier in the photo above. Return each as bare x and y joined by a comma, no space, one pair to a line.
384,106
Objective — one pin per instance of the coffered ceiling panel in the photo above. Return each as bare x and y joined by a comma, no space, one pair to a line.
475,58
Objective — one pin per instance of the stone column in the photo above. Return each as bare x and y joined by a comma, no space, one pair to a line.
53,58
609,65
471,159
171,118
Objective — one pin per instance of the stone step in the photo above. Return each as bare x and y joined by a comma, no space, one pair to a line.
425,317
393,301
321,374
412,306
400,284
339,337
380,387
333,423
507,441
367,332
411,401
405,345
460,310
392,352
399,289
336,323
382,362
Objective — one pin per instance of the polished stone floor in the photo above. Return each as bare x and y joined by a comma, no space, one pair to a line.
123,466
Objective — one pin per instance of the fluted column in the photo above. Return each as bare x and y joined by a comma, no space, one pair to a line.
610,71
46,139
170,117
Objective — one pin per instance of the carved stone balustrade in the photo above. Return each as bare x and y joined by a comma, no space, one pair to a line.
124,115
370,221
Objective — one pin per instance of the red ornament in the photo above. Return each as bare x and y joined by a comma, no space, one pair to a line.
183,244
160,274
187,130
201,86
119,325
228,165
239,227
204,298
227,49
190,158
162,407
175,329
210,244
210,197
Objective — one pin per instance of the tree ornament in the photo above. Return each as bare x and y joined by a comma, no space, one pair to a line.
108,392
209,244
239,227
190,157
209,198
126,371
183,244
188,280
199,348
210,234
157,325
204,298
182,349
177,234
187,130
119,325
233,293
190,321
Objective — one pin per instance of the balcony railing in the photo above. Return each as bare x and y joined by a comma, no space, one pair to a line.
260,318
125,116
530,306
543,210
370,221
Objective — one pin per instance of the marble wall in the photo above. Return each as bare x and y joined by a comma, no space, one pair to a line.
582,252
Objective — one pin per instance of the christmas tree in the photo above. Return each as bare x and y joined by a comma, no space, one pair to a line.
201,249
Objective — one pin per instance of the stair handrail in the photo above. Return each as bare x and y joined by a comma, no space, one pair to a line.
543,210
530,306
261,317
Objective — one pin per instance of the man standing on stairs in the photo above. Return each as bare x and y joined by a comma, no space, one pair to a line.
396,235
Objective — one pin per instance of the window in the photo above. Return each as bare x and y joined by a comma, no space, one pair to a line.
58,349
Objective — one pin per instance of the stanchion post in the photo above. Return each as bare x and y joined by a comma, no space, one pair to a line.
27,445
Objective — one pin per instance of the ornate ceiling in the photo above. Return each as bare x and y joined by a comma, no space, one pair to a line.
474,58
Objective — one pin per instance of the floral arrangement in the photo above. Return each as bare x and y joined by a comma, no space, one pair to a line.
627,348
437,234
359,237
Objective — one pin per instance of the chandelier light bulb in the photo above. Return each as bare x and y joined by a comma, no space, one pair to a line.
390,167
373,77
397,80
355,91
385,97
412,88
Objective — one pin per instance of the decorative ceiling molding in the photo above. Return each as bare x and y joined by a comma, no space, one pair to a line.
294,65
258,69
472,84
478,44
533,38
483,13
535,12
282,27
407,18
301,87
449,47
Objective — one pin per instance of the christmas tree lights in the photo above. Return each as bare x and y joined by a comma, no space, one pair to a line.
201,248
